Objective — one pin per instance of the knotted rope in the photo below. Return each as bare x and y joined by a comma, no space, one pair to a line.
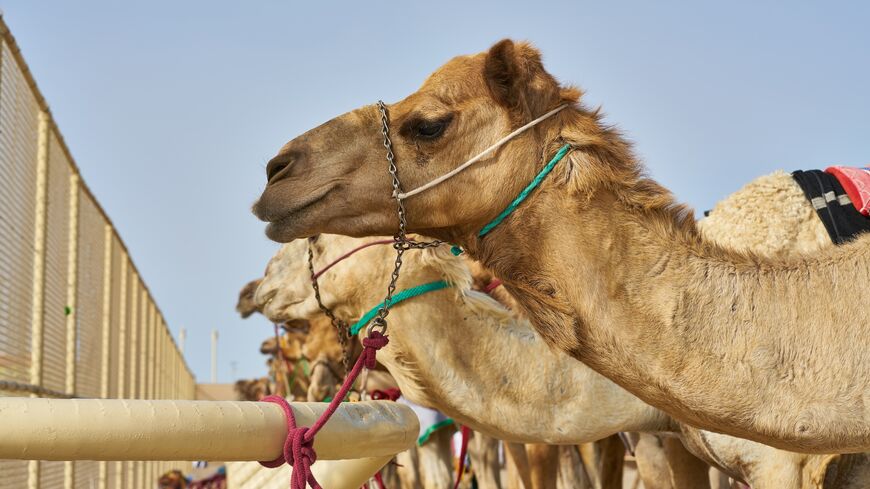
391,394
298,448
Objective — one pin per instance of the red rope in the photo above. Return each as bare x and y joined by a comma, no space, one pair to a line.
391,394
349,253
380,480
491,286
299,445
463,450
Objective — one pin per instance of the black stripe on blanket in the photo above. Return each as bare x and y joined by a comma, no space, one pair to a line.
842,221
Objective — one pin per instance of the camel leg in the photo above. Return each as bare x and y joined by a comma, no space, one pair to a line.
572,475
408,470
686,469
543,465
483,452
589,458
652,464
390,474
718,479
611,460
436,460
518,466
604,461
847,471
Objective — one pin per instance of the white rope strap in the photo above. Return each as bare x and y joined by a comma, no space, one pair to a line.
481,155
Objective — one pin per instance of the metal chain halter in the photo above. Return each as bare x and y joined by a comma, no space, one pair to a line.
339,325
402,243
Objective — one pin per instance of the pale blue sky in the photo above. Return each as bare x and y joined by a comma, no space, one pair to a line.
172,109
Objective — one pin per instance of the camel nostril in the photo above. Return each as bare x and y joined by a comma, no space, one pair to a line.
279,163
274,168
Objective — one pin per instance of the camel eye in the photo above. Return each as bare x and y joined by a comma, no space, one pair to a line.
431,130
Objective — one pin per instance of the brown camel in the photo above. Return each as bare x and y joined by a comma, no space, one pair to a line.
316,339
461,342
252,390
612,271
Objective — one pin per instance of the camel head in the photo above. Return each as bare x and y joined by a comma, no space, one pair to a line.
246,306
334,178
252,390
173,479
325,379
285,293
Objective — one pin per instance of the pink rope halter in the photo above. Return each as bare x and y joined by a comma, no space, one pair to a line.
298,448
348,255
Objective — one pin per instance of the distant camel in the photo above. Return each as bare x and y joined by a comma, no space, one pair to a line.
461,352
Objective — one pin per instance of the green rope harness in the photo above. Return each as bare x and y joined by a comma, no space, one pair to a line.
397,298
526,191
432,429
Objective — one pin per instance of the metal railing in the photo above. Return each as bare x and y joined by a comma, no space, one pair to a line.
76,319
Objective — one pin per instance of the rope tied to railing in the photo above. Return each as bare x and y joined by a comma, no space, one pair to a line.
298,450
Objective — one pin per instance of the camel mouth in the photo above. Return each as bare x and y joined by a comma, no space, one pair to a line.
282,219
280,314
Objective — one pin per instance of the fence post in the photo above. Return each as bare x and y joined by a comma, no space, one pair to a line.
135,327
37,323
105,346
145,316
122,348
72,305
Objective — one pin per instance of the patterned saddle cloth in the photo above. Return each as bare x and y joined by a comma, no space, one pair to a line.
841,197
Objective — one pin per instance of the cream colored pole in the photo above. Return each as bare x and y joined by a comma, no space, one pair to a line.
105,347
37,321
132,392
214,345
71,311
117,429
124,263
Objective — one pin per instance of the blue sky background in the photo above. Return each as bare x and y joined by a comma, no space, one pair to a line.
172,109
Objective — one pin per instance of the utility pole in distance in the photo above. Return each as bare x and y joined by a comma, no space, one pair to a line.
214,341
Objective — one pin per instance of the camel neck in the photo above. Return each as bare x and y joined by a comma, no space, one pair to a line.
474,366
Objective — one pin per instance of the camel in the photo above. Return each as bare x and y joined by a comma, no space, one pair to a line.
427,466
610,269
253,389
174,479
461,352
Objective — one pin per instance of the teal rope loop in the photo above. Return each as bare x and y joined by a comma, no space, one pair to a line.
397,298
526,191
432,429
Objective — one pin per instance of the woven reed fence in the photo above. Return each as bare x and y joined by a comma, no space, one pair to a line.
76,319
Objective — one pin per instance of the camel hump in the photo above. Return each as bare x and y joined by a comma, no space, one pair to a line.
769,216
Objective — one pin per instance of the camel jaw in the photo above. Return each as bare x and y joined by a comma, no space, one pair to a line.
288,218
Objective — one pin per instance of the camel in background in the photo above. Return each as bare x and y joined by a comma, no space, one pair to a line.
461,342
610,269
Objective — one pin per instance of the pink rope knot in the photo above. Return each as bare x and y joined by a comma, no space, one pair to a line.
374,342
391,394
299,444
298,449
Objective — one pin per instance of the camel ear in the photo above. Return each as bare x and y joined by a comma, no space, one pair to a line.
510,70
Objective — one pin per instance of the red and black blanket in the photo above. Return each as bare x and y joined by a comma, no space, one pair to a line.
841,197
